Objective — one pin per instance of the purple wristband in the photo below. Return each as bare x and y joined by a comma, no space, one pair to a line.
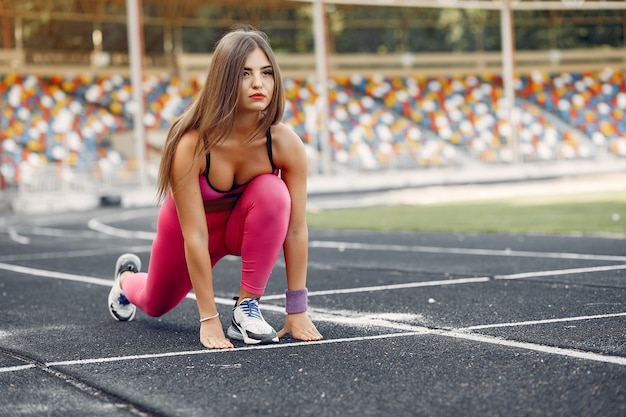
296,301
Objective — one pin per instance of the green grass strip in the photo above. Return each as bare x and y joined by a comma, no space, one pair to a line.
581,213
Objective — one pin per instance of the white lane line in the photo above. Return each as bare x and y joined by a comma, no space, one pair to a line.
54,274
113,231
362,319
555,272
418,331
323,315
99,225
105,282
553,350
213,351
359,320
48,231
546,321
14,236
463,251
389,287
459,281
72,254
342,317
16,368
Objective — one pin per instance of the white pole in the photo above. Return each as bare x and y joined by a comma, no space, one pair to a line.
135,55
508,63
321,64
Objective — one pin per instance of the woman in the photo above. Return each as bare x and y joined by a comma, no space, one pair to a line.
222,194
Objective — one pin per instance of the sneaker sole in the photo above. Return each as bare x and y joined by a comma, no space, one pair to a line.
118,264
114,313
121,318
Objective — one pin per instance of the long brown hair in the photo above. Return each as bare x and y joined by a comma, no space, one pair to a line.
212,114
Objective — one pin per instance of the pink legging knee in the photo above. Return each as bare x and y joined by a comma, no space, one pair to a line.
255,229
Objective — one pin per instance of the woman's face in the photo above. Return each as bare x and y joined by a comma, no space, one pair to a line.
257,85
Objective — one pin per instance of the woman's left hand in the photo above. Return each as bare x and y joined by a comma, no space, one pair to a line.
300,327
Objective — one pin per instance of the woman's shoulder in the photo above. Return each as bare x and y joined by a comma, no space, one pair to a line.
188,143
189,138
186,148
286,144
283,134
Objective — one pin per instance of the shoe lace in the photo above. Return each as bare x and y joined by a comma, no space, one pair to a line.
251,308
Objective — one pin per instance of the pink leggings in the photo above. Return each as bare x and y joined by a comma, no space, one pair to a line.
254,229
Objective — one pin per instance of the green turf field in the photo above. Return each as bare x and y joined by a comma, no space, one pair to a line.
581,213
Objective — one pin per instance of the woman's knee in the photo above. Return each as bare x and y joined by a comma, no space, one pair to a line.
270,190
156,310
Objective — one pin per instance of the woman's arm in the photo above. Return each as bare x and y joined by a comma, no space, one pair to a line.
290,157
186,169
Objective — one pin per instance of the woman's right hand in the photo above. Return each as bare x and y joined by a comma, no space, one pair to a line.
212,335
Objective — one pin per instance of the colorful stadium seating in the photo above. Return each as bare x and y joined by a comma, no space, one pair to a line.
375,122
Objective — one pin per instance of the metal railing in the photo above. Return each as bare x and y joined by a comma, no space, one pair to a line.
398,64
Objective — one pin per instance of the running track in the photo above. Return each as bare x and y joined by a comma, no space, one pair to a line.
414,324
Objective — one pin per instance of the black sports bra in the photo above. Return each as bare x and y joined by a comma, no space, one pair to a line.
212,193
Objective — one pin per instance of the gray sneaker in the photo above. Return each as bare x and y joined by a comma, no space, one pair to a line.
120,308
248,324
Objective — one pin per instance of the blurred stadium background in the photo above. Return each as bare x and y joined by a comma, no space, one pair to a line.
371,85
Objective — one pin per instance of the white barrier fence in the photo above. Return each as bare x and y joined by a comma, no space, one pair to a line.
56,187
